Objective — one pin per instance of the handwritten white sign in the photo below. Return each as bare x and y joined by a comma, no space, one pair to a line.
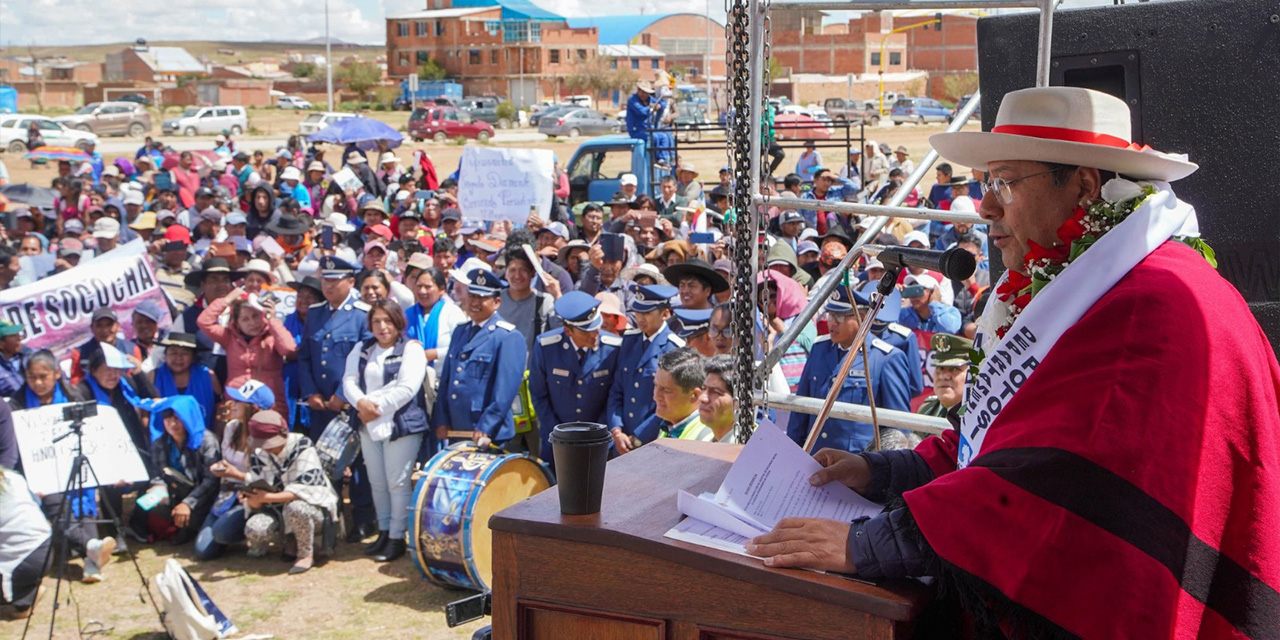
502,184
47,464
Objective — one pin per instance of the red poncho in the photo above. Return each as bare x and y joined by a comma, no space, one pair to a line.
1131,487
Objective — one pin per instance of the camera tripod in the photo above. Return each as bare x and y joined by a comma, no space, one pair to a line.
81,469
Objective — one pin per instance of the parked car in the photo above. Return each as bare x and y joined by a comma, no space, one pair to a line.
801,126
577,122
293,102
137,98
919,111
485,108
851,111
13,133
208,120
442,123
317,121
977,112
691,119
554,111
110,118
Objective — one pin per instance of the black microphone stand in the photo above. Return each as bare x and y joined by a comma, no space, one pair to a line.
883,289
75,484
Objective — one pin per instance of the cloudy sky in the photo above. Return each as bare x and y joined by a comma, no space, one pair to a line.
52,22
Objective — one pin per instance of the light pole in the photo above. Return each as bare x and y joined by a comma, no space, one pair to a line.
328,58
706,64
885,39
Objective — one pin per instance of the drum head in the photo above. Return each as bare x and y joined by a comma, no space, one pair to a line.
516,478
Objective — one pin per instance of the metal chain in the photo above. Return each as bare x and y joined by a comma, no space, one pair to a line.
762,227
738,85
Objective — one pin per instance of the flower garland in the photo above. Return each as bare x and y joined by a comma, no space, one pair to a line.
1087,225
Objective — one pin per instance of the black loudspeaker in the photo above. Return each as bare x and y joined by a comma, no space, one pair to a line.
1201,77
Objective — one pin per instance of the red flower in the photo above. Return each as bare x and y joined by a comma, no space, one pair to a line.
1022,301
1016,283
1054,254
1072,229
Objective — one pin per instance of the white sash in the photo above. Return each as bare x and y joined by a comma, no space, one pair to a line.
1058,306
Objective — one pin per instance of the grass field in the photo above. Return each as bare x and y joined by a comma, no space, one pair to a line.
243,51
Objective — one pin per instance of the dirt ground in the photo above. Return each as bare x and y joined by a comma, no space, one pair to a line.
274,125
349,597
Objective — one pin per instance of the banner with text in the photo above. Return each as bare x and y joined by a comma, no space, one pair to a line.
46,463
56,310
502,184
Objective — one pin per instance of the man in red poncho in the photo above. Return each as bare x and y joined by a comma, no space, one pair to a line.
1115,472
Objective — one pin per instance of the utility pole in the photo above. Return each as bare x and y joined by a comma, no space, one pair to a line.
706,64
328,57
884,40
39,79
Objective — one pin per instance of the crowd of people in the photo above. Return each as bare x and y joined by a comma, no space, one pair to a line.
299,305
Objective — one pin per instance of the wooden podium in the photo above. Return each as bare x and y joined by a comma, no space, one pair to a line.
613,576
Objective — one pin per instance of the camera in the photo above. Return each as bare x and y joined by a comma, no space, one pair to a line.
78,411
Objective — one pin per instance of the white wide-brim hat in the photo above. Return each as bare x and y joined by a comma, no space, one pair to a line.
1063,125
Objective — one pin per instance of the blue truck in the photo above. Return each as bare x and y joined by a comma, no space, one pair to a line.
429,91
598,164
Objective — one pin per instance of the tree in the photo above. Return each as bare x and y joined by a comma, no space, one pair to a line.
305,70
960,85
359,77
776,70
590,75
431,70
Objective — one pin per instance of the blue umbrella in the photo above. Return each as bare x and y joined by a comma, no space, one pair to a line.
365,133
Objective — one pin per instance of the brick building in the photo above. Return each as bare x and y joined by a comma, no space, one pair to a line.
509,48
684,39
952,49
143,63
803,44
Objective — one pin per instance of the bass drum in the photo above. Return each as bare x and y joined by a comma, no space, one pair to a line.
455,495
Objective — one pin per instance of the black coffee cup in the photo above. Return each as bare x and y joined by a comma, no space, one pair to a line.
581,450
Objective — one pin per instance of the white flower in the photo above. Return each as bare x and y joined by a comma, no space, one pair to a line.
1118,190
995,316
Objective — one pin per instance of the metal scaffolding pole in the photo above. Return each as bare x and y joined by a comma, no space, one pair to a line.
915,213
819,297
858,413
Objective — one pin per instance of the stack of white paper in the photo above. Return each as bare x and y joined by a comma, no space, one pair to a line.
768,482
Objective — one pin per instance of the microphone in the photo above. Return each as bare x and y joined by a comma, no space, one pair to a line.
954,263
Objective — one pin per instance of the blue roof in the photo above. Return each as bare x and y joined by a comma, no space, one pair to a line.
513,9
618,29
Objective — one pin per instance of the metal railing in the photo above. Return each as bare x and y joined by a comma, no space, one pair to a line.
858,412
882,213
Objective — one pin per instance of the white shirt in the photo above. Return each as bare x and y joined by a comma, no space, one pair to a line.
451,315
392,397
23,527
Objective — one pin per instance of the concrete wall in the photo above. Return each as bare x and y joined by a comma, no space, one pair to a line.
65,95
815,89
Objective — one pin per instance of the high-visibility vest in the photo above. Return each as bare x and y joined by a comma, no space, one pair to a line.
522,407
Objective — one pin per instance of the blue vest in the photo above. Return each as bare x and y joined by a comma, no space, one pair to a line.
412,417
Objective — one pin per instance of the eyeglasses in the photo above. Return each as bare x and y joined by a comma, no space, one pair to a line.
1004,188
725,333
